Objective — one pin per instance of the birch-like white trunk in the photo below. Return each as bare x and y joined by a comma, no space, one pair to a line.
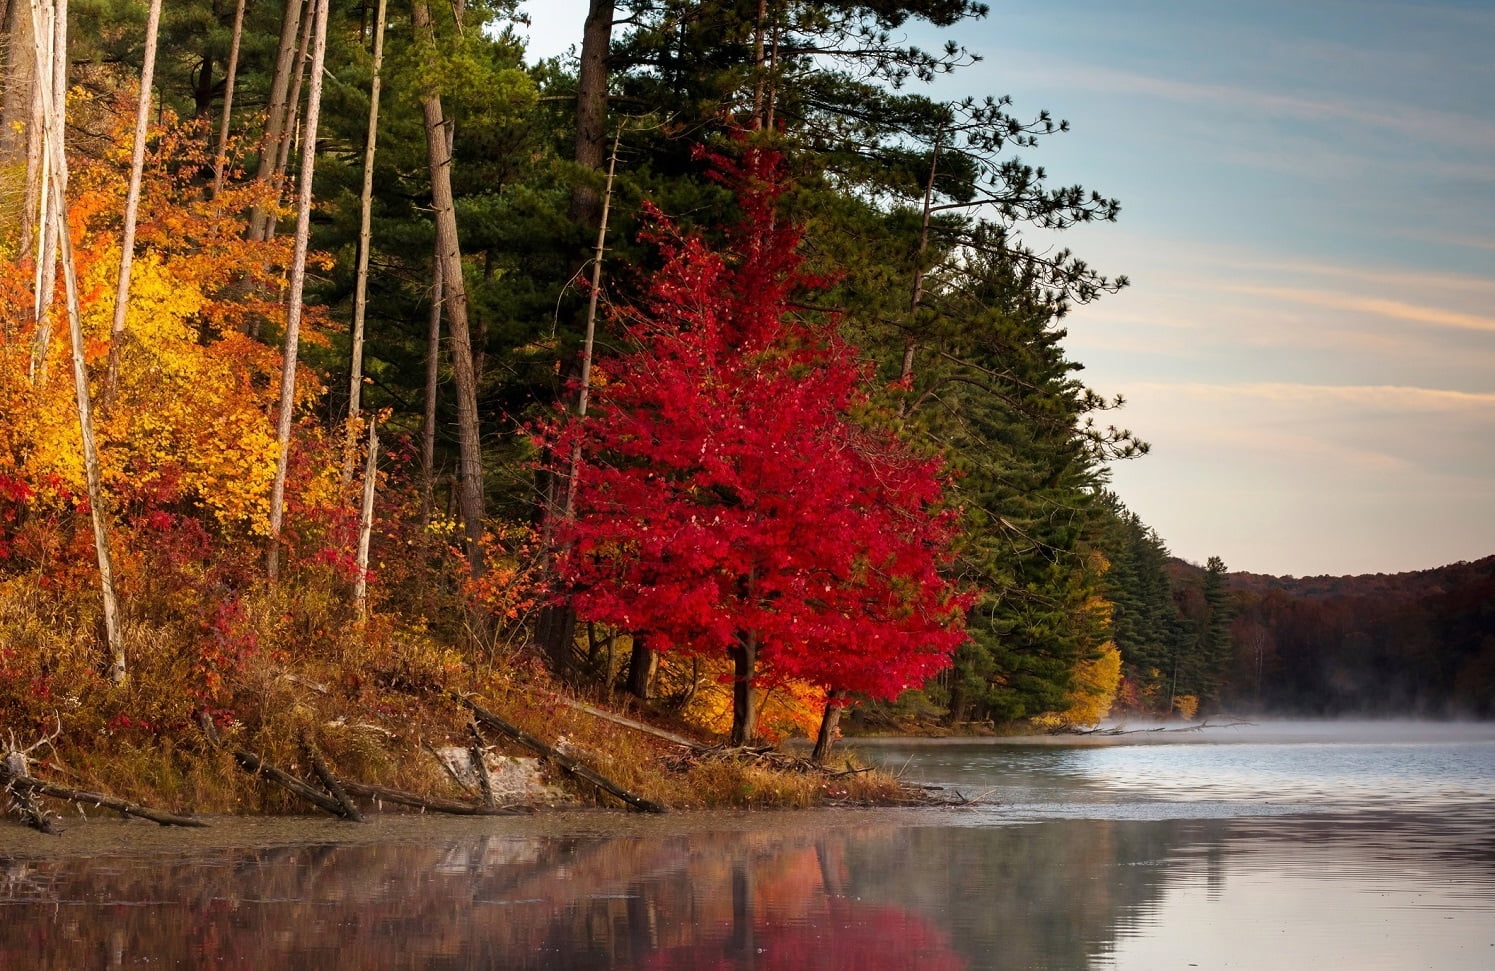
365,234
277,114
53,149
220,157
48,25
132,204
297,288
366,522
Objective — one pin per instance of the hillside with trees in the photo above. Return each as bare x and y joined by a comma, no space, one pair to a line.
1418,643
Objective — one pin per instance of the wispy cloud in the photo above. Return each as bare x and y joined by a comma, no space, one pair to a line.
1382,395
1381,307
1382,277
1406,121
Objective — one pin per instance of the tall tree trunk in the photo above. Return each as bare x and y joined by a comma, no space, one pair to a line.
470,476
433,377
297,287
132,205
829,720
916,298
56,160
17,80
556,627
591,108
293,109
589,338
49,47
365,235
760,64
366,519
744,696
275,118
641,663
220,157
202,87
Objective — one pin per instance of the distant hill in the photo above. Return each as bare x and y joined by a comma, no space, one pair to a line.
1397,585
1419,643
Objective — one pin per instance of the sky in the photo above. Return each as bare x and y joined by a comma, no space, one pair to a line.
1308,222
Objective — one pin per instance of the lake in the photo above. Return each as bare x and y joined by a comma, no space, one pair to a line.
1270,847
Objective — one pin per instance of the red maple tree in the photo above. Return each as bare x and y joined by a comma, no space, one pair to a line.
727,502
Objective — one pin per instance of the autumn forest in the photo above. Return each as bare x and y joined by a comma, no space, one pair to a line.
350,360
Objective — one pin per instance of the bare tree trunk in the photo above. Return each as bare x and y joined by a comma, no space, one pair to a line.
591,107
275,119
366,519
470,477
556,628
293,109
220,157
583,393
365,232
297,287
49,46
829,719
52,128
641,663
744,697
433,376
760,63
132,205
916,298
17,81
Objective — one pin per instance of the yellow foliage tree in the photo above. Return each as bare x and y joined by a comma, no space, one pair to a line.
190,422
1096,678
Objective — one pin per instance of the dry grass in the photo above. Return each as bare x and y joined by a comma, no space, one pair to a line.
285,665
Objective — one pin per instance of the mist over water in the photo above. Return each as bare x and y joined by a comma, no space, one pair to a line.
1272,846
1268,768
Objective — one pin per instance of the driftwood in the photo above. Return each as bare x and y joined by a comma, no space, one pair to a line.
13,766
324,775
81,796
403,798
477,752
23,799
16,779
635,725
255,765
563,761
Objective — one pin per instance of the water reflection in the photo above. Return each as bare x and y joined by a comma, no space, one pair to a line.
1400,882
815,891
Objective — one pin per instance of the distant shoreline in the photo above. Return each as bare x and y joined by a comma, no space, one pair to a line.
1266,731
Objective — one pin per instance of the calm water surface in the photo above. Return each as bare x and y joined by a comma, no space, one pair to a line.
1357,847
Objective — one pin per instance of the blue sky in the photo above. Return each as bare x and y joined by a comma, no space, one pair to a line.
1308,195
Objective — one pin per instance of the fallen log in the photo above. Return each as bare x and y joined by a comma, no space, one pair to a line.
84,797
403,798
255,765
25,804
635,725
477,756
564,762
348,810
13,766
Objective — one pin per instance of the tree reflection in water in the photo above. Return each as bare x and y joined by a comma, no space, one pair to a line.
864,890
793,894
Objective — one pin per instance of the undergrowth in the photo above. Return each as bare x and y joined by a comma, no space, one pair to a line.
272,667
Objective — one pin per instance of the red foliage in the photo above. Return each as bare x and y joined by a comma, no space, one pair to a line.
725,489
